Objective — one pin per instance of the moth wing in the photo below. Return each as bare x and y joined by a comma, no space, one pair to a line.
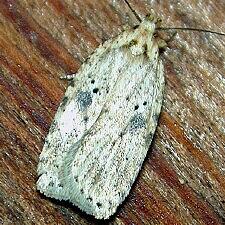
80,108
98,175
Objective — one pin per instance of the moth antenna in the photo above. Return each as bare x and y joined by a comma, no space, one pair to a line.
134,12
190,29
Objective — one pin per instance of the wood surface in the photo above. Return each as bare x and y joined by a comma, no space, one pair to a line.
182,179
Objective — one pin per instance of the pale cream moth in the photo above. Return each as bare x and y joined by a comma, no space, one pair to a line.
103,128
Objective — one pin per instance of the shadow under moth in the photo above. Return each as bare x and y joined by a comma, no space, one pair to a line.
105,123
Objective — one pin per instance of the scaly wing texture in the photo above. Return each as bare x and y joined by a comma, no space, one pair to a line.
79,110
103,128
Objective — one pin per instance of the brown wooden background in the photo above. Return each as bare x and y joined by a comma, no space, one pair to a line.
182,180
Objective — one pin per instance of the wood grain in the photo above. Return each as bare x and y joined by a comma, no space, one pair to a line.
182,179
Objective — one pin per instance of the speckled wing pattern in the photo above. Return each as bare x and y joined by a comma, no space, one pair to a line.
105,123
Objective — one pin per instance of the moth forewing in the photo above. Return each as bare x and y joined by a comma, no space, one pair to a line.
105,123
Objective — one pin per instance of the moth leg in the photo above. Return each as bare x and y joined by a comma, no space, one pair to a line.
68,76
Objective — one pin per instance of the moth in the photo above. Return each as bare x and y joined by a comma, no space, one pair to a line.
105,123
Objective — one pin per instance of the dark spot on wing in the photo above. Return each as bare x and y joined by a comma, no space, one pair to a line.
114,142
144,103
136,107
85,119
51,184
133,42
93,81
137,122
99,204
89,199
76,178
84,99
95,90
87,58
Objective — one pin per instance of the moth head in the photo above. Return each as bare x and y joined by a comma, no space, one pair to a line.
149,23
144,40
